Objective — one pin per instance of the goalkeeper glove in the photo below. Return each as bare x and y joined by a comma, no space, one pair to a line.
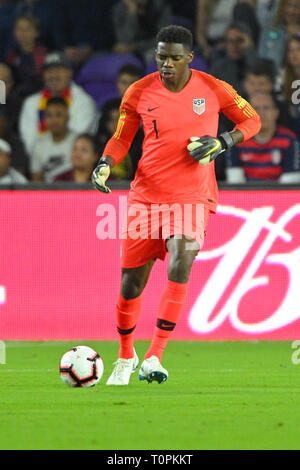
100,175
206,149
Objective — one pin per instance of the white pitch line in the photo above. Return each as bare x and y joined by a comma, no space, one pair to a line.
37,344
27,370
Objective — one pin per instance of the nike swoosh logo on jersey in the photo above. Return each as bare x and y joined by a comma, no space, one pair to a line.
152,109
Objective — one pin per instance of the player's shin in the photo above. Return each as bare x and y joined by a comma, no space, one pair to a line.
170,308
127,313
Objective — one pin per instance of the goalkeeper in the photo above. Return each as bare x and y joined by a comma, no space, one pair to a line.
179,108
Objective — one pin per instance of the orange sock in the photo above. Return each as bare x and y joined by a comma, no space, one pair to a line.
170,308
127,312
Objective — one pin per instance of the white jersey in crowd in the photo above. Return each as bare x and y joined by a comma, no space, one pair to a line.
51,158
83,115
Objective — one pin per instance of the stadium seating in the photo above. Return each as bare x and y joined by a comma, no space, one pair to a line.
98,77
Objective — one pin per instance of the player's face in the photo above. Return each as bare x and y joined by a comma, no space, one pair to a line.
173,63
56,119
83,156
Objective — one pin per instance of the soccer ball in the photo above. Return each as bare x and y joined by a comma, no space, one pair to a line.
81,367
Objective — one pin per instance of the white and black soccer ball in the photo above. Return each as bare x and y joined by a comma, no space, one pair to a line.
81,367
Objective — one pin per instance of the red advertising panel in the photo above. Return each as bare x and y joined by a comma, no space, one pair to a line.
60,275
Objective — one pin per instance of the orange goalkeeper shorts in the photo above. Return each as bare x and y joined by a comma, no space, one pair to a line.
147,227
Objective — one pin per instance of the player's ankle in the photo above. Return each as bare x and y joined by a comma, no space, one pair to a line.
151,354
126,354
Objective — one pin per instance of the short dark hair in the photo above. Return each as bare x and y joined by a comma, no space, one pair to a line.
57,100
92,139
33,20
242,27
131,69
107,108
176,34
262,67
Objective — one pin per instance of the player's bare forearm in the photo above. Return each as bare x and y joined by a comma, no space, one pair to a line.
237,136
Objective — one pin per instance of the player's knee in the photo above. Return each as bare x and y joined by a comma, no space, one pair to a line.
131,287
178,270
180,264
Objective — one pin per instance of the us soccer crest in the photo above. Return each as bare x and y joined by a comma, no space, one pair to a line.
199,106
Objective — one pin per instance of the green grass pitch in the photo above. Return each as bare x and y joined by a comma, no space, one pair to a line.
219,395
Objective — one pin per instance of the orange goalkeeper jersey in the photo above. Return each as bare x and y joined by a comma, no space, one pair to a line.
166,172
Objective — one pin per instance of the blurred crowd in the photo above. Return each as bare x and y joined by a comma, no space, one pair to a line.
67,63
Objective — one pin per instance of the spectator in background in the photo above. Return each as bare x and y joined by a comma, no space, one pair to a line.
13,100
19,159
184,12
84,157
245,11
285,24
213,17
7,16
51,152
289,81
128,74
87,26
260,78
47,12
240,54
291,70
272,155
266,11
136,23
107,126
57,77
8,175
27,57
